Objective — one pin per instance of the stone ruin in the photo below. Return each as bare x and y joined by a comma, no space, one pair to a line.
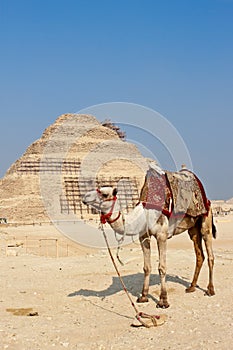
75,154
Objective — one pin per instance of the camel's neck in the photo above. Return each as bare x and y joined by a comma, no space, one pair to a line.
132,224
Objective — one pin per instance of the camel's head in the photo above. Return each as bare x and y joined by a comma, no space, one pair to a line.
100,198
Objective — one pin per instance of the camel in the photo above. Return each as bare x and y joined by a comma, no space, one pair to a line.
150,222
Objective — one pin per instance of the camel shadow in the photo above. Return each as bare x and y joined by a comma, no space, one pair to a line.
133,284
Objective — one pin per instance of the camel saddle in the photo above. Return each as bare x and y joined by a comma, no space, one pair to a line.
174,193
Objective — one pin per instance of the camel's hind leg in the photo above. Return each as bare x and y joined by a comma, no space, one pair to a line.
145,244
196,237
206,230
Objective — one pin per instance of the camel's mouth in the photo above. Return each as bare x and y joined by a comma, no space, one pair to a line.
89,201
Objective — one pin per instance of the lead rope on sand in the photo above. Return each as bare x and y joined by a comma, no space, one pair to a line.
139,315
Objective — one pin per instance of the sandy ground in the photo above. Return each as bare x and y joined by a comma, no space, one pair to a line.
76,302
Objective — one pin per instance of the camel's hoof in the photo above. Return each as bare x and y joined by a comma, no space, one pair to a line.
190,289
162,305
142,299
210,292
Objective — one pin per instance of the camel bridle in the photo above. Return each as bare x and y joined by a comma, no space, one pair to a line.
106,217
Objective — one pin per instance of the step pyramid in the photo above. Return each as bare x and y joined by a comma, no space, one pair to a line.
74,154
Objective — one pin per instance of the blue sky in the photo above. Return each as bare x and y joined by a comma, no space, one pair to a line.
174,56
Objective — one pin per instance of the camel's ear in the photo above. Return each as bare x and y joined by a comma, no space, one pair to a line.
114,192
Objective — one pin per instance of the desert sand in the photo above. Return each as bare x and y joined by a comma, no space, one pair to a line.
76,301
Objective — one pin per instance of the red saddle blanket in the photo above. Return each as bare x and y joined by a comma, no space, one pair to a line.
174,193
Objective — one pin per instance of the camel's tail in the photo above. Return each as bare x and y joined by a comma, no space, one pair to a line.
214,230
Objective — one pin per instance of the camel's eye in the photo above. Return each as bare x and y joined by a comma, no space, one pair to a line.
104,195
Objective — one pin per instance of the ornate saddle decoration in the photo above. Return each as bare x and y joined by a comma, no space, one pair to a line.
174,193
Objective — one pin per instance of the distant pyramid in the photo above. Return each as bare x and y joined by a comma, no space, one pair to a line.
72,155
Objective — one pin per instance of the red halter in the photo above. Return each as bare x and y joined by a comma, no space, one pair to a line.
106,217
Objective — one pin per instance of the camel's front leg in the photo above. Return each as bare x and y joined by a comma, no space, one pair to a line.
162,248
145,244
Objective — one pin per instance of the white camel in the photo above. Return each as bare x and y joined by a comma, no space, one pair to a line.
150,222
